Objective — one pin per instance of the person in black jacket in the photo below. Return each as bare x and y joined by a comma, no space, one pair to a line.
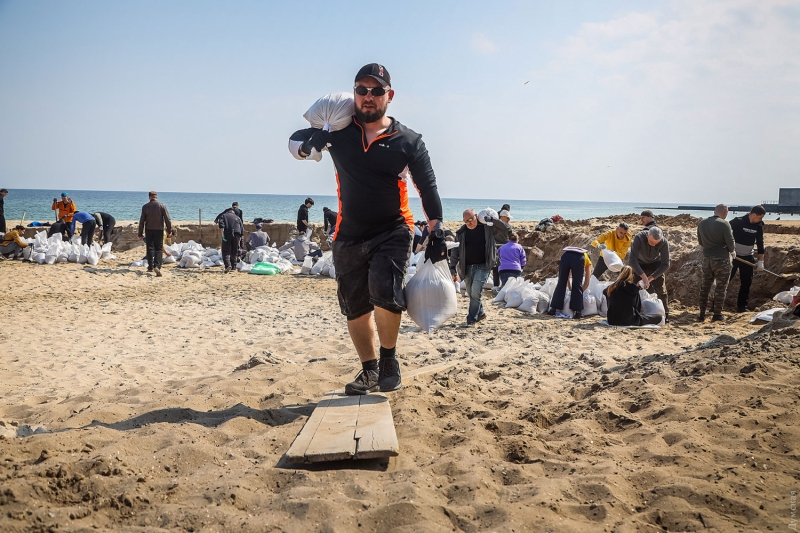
624,302
375,157
329,219
302,215
107,222
232,231
748,231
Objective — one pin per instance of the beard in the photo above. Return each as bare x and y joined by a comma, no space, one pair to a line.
371,116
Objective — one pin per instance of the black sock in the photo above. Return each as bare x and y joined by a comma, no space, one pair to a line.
388,353
370,365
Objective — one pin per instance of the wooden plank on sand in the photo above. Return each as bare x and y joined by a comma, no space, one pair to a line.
346,427
375,432
297,451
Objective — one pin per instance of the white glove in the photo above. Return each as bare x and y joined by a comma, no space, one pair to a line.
760,265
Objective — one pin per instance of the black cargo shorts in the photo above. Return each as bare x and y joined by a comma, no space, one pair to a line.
370,273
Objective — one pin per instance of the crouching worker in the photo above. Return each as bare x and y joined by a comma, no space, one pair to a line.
574,263
13,244
624,302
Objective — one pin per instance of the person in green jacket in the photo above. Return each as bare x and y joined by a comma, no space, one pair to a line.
716,237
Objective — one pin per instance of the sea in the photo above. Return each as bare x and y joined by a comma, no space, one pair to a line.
35,204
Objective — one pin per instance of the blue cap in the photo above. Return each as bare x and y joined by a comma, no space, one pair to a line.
63,195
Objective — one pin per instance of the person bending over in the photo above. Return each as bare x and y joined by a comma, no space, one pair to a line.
575,264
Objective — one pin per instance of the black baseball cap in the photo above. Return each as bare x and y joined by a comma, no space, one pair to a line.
376,71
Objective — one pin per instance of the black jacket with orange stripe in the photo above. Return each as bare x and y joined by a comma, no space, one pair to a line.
373,179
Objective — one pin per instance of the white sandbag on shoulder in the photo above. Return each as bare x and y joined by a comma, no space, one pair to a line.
332,112
488,212
430,296
612,260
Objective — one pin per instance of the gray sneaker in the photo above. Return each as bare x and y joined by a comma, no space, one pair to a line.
389,374
366,381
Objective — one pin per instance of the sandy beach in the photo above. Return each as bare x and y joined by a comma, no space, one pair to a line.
538,424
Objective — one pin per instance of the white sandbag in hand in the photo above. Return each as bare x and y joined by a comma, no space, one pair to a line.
431,296
612,260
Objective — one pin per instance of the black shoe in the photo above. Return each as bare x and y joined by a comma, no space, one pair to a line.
717,317
389,374
741,309
481,317
577,315
366,381
551,312
701,317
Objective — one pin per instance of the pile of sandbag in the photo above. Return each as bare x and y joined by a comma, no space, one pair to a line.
530,297
48,251
284,261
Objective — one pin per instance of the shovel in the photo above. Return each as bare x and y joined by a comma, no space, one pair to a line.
748,263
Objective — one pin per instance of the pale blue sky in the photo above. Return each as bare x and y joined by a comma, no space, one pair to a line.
660,101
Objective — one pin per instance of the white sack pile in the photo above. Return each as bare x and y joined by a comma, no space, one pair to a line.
54,250
534,298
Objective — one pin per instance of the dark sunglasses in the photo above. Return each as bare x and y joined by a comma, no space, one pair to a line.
470,219
376,91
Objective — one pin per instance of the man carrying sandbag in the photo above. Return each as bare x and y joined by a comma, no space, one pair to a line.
715,235
617,240
232,230
650,261
474,260
373,156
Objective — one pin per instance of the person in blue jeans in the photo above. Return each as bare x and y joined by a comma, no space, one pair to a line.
574,263
474,259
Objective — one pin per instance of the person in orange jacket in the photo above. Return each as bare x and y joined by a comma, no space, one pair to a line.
66,208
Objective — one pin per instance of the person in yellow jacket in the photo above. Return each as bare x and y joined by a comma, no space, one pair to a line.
618,240
13,243
66,208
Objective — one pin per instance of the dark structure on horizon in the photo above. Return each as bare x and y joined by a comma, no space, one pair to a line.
788,203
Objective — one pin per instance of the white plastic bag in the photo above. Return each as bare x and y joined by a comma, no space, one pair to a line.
589,305
565,310
430,296
612,260
105,251
766,316
549,286
602,308
529,304
307,263
651,305
544,303
510,284
92,257
785,297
